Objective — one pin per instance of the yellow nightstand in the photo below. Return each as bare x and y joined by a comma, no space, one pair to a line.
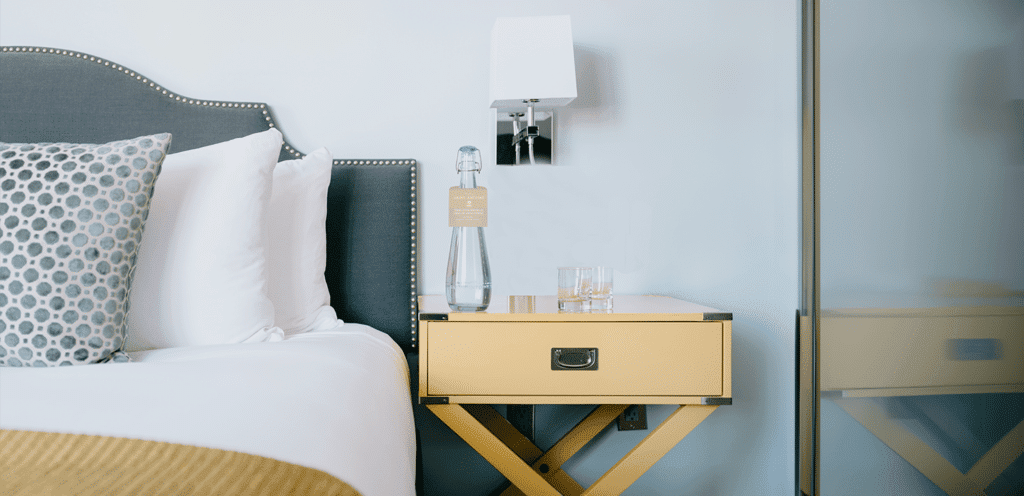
648,350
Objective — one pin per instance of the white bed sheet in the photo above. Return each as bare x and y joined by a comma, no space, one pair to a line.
336,400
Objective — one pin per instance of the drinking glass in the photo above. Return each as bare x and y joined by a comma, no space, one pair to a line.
602,293
522,304
574,289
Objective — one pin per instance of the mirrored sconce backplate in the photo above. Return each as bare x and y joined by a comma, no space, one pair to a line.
543,144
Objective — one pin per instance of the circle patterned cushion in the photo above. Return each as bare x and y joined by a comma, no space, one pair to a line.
71,219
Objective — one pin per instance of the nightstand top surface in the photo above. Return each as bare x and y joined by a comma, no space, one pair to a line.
625,308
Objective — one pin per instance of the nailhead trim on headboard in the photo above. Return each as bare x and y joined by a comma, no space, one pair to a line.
270,124
413,320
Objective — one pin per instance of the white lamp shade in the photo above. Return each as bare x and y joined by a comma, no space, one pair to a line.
532,58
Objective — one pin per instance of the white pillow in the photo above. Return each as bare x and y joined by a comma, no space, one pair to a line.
201,274
297,249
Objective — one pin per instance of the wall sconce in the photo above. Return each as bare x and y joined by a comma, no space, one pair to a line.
532,72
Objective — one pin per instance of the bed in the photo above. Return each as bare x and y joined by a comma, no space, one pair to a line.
237,315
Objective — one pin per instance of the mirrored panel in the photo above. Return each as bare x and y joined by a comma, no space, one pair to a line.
921,170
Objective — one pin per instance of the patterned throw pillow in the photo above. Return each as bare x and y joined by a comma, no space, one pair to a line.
71,218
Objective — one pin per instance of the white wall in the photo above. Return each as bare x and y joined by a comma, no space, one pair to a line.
678,162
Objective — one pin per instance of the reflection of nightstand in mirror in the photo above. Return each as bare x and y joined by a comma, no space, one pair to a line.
649,350
868,354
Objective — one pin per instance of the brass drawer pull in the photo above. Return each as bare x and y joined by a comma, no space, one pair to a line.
573,358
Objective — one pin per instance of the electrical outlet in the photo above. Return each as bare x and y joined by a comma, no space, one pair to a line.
633,418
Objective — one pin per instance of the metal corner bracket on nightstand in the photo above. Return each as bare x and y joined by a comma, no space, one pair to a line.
648,350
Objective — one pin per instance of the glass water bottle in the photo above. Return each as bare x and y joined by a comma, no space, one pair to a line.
468,282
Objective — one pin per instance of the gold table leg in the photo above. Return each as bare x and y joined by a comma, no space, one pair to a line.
505,431
922,457
493,449
550,464
680,423
540,473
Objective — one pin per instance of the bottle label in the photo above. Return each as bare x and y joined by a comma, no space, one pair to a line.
467,207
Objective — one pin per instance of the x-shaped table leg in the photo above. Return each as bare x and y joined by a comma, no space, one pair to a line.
936,468
534,472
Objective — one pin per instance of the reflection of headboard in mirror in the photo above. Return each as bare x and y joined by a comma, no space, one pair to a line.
53,95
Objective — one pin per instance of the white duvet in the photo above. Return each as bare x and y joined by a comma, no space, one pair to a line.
335,400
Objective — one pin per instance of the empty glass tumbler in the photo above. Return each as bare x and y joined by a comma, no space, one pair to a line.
602,294
574,289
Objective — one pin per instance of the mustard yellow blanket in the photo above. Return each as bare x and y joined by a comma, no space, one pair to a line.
43,463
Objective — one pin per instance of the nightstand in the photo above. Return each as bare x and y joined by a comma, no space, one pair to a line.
648,350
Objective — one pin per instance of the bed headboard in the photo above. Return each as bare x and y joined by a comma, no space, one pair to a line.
53,95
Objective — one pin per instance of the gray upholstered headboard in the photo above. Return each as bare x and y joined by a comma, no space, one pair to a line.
52,95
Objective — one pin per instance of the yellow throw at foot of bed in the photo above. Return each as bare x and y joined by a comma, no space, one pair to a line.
33,463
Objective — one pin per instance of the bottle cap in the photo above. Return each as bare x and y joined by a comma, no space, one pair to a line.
468,159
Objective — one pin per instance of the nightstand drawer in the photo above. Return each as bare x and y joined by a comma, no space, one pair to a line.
633,358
